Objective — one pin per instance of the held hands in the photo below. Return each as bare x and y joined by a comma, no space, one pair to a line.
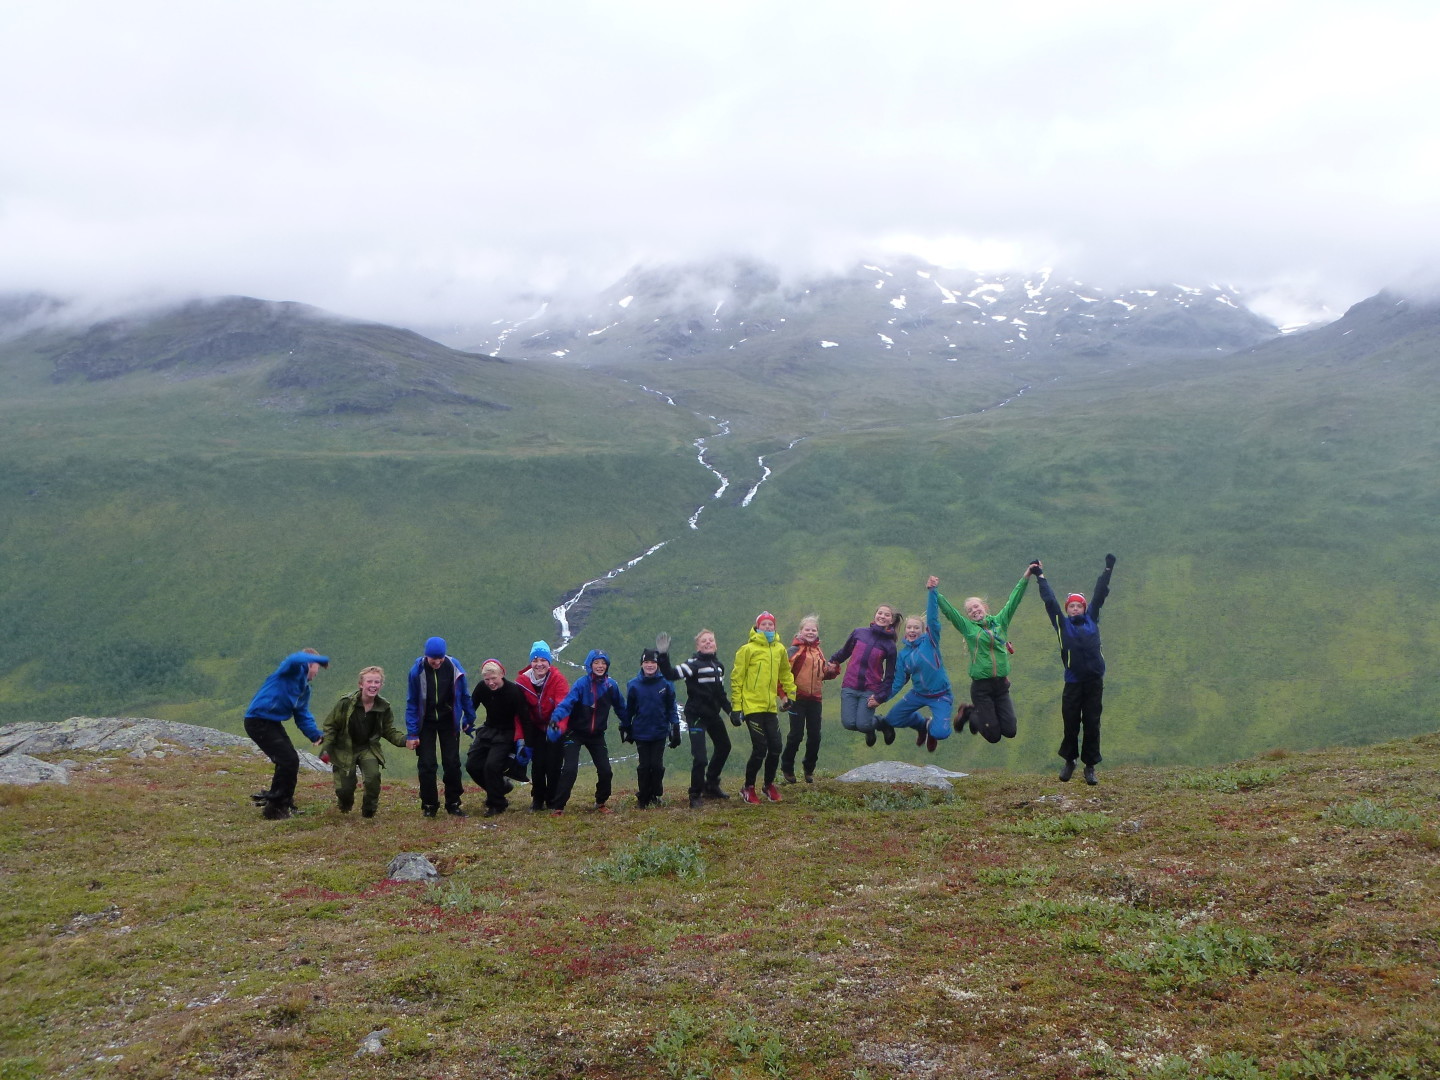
523,753
1035,569
1109,562
626,735
468,727
932,582
412,744
553,733
325,757
737,717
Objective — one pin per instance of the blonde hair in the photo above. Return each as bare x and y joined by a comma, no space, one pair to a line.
808,619
702,633
492,665
372,670
917,619
977,600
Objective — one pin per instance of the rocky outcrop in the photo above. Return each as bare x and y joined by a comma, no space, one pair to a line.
900,772
137,736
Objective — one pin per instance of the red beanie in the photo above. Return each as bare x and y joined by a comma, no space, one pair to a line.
1076,597
763,615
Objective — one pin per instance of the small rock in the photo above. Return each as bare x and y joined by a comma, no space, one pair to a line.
371,1044
901,772
411,866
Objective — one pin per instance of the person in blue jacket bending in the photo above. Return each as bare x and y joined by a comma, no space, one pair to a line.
285,695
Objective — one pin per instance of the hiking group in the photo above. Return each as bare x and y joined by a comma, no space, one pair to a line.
536,725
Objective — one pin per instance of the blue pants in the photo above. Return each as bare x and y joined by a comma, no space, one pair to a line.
907,714
855,715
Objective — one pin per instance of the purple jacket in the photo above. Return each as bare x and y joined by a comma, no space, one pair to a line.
871,652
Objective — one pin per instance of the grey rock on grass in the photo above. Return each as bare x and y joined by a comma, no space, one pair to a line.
24,769
901,772
411,866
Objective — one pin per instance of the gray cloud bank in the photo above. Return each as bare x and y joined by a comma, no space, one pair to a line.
417,163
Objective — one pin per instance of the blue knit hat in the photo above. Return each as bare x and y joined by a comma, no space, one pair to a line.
435,648
541,651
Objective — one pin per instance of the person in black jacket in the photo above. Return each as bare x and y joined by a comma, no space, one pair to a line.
652,719
500,738
707,704
1077,626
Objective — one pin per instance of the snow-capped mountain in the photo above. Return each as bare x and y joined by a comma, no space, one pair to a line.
900,309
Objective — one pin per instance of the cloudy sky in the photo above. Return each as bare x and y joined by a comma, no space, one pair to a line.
420,161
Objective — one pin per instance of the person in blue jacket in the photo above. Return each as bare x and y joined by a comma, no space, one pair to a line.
1077,626
650,703
919,661
437,706
580,721
285,695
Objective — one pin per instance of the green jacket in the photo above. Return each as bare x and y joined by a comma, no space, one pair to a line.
761,669
989,658
378,723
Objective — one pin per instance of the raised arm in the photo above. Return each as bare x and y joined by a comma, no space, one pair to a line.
1102,588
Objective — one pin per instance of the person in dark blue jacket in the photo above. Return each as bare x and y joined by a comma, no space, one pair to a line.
650,702
1077,626
283,696
580,721
437,707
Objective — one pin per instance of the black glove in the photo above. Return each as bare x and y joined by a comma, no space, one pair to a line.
674,736
737,717
1034,568
1109,562
626,735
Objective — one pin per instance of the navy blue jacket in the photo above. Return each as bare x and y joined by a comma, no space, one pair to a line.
1079,635
650,700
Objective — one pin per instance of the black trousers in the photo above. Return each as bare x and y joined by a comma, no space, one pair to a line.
764,746
448,738
274,742
705,772
489,755
544,770
994,713
804,724
570,767
1080,707
650,773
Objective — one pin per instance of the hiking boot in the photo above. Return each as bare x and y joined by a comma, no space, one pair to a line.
1067,771
490,811
931,742
276,812
1090,775
772,793
455,811
536,805
696,802
429,811
601,808
809,778
260,798
557,813
886,730
344,807
788,777
748,794
367,813
870,738
713,791
920,737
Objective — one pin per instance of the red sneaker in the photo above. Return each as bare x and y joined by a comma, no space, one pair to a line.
748,794
601,808
772,793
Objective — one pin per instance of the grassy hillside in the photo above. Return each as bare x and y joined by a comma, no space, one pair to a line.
171,534
1272,919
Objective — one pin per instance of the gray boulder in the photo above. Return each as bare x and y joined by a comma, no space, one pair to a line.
24,769
411,866
138,736
901,772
